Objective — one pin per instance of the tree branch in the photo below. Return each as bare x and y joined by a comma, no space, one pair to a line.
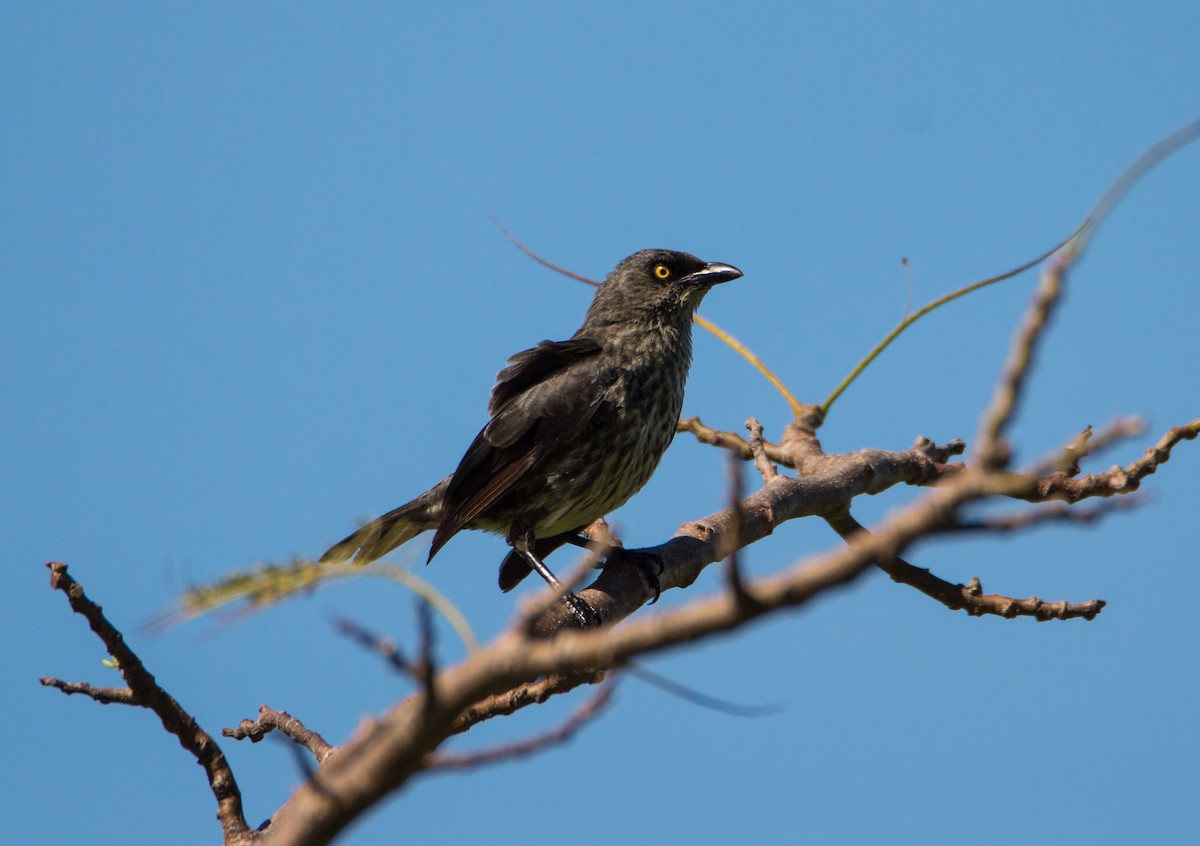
103,695
270,720
521,749
145,692
965,598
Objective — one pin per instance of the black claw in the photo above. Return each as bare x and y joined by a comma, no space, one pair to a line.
587,616
642,560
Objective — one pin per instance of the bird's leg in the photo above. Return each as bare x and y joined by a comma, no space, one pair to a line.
651,565
584,613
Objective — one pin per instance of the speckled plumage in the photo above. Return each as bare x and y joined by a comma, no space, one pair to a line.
577,427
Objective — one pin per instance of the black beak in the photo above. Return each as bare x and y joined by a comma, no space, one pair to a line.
712,274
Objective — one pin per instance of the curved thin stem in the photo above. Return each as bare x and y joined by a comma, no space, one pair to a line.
938,303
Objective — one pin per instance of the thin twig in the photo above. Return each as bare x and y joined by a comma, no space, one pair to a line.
938,303
103,695
703,700
1133,173
991,450
958,597
384,647
522,696
745,352
761,462
731,441
1065,461
271,720
1115,481
1052,513
733,570
426,666
146,693
522,748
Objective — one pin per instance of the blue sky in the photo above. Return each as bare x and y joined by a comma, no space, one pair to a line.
251,295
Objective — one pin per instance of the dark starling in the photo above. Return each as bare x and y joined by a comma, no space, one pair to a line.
577,427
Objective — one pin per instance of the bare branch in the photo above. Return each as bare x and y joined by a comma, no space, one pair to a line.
933,306
270,720
145,692
936,453
381,646
103,695
991,450
733,571
731,441
524,748
1055,512
702,700
544,262
761,462
522,696
426,666
1112,482
961,598
386,752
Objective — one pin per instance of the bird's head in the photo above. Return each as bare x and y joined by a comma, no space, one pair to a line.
656,284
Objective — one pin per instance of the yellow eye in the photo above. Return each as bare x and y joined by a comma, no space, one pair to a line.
662,271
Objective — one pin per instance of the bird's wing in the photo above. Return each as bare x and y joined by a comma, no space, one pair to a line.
537,405
528,368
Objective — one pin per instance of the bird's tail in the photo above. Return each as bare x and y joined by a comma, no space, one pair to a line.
379,537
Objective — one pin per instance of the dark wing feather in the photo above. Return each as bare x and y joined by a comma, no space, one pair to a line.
528,368
534,408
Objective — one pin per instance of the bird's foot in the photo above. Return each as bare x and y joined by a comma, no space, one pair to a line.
649,563
587,616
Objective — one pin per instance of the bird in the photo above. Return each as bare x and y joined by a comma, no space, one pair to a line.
575,429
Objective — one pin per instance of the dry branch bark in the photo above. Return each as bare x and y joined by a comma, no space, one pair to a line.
144,691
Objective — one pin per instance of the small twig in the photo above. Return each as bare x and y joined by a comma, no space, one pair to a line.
757,363
145,692
1160,453
977,604
545,263
1114,481
936,304
991,449
426,667
1139,167
731,441
1111,433
522,748
733,570
1078,448
1055,512
1064,463
939,454
103,695
384,647
270,720
522,696
703,700
761,462
958,597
